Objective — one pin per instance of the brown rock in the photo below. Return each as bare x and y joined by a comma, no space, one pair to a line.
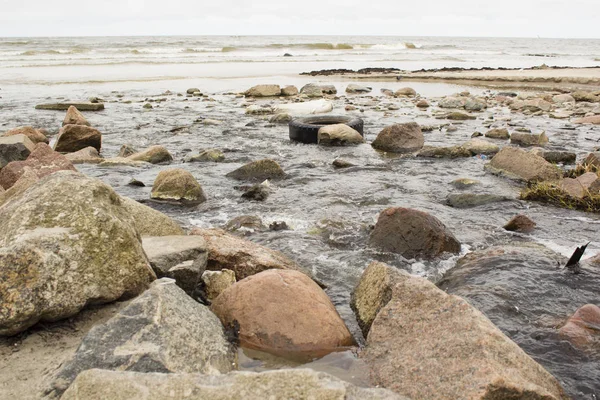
593,159
400,138
153,155
42,160
426,344
529,139
407,91
338,134
177,185
579,187
519,164
422,104
74,117
76,137
499,133
14,148
258,170
412,234
89,155
289,91
263,91
594,119
520,223
35,135
126,150
582,328
283,312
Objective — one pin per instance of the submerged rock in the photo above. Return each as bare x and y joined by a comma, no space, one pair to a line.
14,148
400,138
66,106
582,327
74,117
520,223
210,155
245,258
258,170
412,234
444,152
296,319
152,155
177,185
426,344
66,243
278,384
35,135
163,330
463,183
245,223
521,165
468,200
339,163
529,139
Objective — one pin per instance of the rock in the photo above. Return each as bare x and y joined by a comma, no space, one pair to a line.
536,105
354,88
521,165
148,106
406,91
65,243
126,150
210,155
452,102
338,134
152,155
258,171
177,185
422,104
35,135
463,183
74,117
520,223
27,179
412,234
88,155
314,90
149,222
298,320
480,146
458,116
451,128
372,293
76,137
43,161
308,107
529,139
263,91
255,109
216,282
14,148
258,192
211,122
166,253
555,156
289,91
594,119
245,258
136,183
328,89
281,118
400,138
475,104
244,223
499,133
339,163
444,152
387,92
193,90
426,344
66,106
563,99
163,330
278,226
592,159
277,384
585,96
582,328
468,200
119,161
578,187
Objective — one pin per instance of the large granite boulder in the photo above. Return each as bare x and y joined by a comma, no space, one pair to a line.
35,135
152,155
149,222
245,258
65,243
14,148
163,330
400,138
258,171
279,384
518,164
177,185
412,234
74,117
263,91
182,258
42,160
426,344
72,138
283,312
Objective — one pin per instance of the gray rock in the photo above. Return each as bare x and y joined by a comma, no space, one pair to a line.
354,88
400,138
263,91
279,384
452,102
498,133
444,152
65,106
149,222
258,170
529,139
14,148
166,253
163,330
475,104
88,155
245,223
210,155
468,200
289,91
407,91
65,243
480,146
153,155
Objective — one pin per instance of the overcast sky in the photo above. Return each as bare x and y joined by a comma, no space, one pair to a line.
505,18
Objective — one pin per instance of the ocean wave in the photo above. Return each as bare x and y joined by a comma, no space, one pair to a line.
73,50
15,43
540,55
